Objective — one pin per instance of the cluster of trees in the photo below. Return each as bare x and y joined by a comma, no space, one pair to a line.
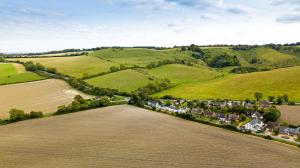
142,94
166,62
80,103
30,66
2,59
19,115
223,60
244,47
276,100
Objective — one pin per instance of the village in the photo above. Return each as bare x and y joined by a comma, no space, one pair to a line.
246,116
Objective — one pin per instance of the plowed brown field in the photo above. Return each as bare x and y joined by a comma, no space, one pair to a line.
126,136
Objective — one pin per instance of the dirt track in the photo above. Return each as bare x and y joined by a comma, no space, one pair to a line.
45,95
125,136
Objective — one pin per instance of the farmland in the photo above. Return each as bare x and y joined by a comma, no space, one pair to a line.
126,136
15,73
75,66
275,83
127,80
45,95
140,56
290,114
182,73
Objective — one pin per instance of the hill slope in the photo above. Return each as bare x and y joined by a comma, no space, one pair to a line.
126,136
275,82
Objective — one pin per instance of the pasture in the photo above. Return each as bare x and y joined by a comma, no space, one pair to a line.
289,114
15,73
140,56
182,73
45,96
127,80
75,66
126,136
242,86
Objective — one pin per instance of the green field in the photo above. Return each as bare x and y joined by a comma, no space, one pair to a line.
73,66
10,74
182,73
127,80
140,56
275,82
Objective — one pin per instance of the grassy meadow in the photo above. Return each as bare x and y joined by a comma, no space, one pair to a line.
242,86
15,73
139,56
181,73
74,66
127,80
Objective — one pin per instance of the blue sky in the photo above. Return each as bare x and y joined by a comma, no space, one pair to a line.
35,25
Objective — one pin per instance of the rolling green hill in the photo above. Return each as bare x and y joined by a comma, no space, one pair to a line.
182,73
75,66
140,56
127,80
242,86
9,74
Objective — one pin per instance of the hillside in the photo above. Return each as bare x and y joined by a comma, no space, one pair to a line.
182,73
75,66
127,80
271,83
16,73
140,56
126,136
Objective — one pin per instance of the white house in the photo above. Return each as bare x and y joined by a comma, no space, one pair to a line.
255,125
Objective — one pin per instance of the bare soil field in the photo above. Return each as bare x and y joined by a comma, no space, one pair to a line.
126,136
45,96
290,114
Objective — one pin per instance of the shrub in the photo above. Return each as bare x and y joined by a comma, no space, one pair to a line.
34,114
17,115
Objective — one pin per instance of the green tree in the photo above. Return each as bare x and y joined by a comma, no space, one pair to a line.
258,96
37,114
271,114
280,100
114,69
271,98
286,98
17,115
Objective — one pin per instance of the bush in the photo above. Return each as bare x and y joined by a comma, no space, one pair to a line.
271,114
17,115
34,114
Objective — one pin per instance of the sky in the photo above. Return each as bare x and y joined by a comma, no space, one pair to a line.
36,26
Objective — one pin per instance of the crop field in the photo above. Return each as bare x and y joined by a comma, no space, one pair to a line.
139,56
45,96
271,83
16,73
126,136
127,80
289,114
182,73
74,66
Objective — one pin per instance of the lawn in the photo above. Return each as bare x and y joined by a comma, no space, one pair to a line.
127,80
74,66
140,56
181,73
275,82
15,73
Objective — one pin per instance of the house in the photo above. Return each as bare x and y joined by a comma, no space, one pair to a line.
153,104
271,126
255,125
233,117
264,104
208,113
222,117
289,131
249,105
197,110
256,115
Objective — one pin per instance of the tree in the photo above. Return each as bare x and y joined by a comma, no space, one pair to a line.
258,96
37,114
114,69
122,67
17,115
286,98
271,98
280,100
271,114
